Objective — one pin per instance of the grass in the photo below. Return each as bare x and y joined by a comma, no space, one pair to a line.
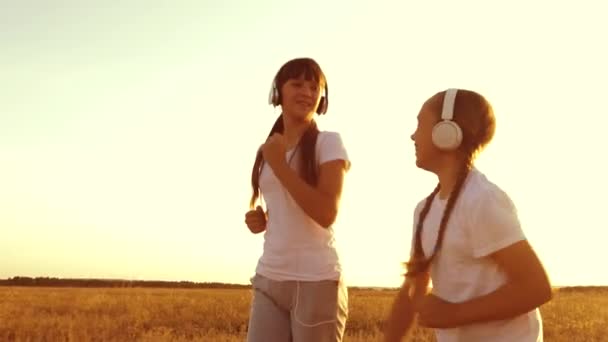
147,314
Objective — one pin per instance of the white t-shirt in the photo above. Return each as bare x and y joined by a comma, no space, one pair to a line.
483,221
295,246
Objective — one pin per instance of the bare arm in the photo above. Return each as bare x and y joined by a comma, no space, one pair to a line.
403,311
320,203
527,287
401,317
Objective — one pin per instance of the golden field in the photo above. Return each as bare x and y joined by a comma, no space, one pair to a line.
150,314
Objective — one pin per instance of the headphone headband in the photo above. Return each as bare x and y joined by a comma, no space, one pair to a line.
447,112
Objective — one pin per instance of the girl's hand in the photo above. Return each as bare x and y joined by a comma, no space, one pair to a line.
256,220
274,150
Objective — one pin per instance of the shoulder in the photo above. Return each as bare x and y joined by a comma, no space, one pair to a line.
417,210
326,137
419,207
483,196
330,146
493,222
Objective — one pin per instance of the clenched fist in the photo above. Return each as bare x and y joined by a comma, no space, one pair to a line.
256,220
274,150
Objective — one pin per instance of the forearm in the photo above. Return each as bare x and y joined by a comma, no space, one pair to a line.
401,317
319,206
510,300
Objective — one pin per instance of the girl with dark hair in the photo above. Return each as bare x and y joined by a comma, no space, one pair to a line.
487,281
299,292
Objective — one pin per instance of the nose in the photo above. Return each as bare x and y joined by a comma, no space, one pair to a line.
308,91
412,136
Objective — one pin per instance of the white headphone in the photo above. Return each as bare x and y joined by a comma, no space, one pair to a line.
447,135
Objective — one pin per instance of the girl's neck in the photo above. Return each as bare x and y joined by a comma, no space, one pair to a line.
294,129
449,175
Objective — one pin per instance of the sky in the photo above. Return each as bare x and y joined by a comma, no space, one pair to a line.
128,128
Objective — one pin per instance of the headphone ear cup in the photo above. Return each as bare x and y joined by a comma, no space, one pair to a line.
273,96
322,108
447,135
277,97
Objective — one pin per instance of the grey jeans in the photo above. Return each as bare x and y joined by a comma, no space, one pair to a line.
298,311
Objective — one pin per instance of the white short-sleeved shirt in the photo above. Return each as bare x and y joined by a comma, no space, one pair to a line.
295,246
484,220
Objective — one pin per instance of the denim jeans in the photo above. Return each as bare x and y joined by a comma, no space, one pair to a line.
298,311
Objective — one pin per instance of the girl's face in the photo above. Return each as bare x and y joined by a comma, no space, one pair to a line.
300,98
427,154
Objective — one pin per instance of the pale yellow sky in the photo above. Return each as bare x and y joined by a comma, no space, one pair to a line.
128,128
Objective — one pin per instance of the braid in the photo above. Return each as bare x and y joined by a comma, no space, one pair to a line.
448,209
309,169
257,165
419,263
416,263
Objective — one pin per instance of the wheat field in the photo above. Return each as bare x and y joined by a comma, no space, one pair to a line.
149,314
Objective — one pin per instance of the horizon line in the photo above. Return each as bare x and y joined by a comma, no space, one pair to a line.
224,283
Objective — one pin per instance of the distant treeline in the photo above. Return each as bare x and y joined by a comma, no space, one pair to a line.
603,289
67,282
79,282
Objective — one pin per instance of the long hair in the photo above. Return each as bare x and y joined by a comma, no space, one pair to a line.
475,116
311,71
